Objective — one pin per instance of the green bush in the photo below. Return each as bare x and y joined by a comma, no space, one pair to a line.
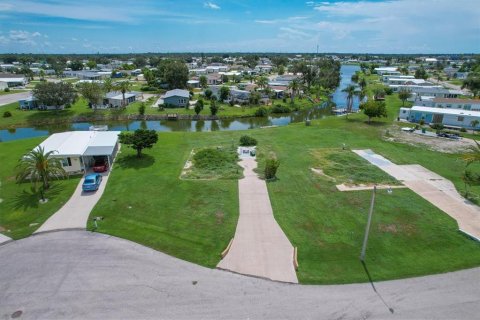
6,89
141,109
7,114
246,141
261,112
437,126
271,167
281,109
388,91
463,130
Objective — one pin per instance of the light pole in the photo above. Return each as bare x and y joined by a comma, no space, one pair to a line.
369,222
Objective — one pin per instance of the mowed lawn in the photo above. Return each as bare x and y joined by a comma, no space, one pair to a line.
145,201
20,211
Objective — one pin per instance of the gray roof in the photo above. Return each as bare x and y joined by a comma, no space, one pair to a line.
99,151
177,93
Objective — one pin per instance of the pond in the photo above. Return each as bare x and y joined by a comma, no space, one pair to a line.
317,112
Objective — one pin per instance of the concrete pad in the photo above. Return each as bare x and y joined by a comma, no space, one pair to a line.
4,238
74,213
343,187
13,97
435,189
259,247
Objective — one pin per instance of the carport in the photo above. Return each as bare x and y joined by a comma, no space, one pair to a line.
103,145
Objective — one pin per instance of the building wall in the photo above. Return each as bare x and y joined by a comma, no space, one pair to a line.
461,121
74,166
176,100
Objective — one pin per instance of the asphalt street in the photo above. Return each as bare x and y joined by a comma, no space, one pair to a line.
84,275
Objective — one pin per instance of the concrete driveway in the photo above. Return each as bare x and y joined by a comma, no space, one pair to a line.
434,188
13,97
259,247
74,213
84,275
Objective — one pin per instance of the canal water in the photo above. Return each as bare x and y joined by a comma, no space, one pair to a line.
339,98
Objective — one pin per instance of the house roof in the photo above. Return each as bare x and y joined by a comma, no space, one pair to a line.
457,112
452,100
76,143
177,93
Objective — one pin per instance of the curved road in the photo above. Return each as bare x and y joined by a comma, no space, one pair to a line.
83,275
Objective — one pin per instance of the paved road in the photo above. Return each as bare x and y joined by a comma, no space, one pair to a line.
74,213
83,275
4,238
259,247
434,188
14,97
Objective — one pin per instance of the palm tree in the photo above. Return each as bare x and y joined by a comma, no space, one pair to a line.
294,86
262,82
39,166
351,92
123,87
108,85
363,83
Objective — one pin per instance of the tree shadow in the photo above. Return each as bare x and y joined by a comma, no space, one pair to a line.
131,161
374,288
29,197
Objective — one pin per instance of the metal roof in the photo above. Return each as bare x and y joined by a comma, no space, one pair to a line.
178,93
456,112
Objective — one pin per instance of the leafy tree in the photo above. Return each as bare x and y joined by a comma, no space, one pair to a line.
237,78
39,166
472,83
350,91
140,61
138,140
262,82
281,70
203,81
54,94
174,73
198,107
420,73
141,109
355,78
76,65
224,78
208,94
93,92
254,98
374,109
213,108
261,112
123,87
42,75
108,85
224,93
91,64
403,95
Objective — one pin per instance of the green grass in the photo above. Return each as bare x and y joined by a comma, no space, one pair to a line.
214,163
456,82
20,205
4,93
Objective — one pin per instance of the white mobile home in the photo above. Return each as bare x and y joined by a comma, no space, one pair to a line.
78,149
454,118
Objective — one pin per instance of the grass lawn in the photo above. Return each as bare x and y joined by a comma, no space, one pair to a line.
456,82
212,163
19,206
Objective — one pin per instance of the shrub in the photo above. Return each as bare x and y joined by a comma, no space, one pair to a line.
463,130
7,114
284,100
281,109
261,112
141,109
6,89
213,108
271,167
246,141
388,91
437,126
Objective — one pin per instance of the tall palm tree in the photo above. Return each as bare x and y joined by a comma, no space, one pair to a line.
124,87
39,166
351,92
262,82
108,85
294,86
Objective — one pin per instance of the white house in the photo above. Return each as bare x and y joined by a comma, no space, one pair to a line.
114,99
387,77
13,80
387,70
449,103
454,118
77,150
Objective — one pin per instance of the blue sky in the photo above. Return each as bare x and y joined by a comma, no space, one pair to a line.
381,26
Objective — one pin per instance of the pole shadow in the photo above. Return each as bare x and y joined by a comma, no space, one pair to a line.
374,288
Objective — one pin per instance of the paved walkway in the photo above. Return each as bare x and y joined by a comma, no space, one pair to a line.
434,188
74,214
85,275
13,97
259,247
4,238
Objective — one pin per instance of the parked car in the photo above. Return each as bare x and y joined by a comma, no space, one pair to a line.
92,182
100,165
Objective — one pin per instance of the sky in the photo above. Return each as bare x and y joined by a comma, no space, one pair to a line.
135,26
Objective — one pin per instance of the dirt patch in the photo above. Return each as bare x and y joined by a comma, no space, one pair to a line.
390,228
219,215
321,173
444,145
2,229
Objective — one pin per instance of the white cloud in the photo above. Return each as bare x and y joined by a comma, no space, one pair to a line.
23,37
74,39
211,5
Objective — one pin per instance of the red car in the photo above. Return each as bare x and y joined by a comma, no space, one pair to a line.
100,165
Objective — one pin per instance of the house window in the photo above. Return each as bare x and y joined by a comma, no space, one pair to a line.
460,119
66,162
467,107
